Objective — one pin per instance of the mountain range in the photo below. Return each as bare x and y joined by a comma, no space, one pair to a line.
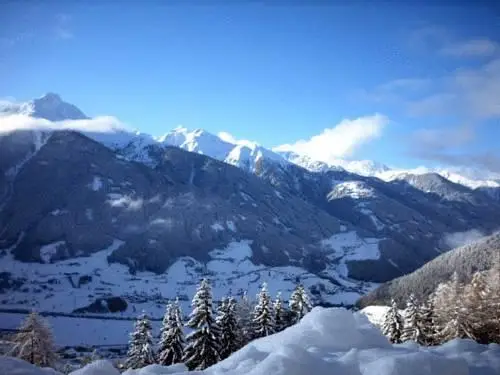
88,214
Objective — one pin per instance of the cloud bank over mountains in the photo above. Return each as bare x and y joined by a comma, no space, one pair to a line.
340,141
101,124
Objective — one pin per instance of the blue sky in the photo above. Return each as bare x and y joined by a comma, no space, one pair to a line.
275,74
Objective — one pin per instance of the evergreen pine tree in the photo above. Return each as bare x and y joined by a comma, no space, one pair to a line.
229,331
427,324
393,324
412,324
493,298
140,352
279,314
203,348
450,311
476,306
299,303
244,310
34,342
171,346
263,314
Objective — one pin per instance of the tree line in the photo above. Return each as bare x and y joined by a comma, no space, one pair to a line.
454,310
216,333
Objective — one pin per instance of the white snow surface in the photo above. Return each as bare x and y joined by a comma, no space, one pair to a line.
15,366
470,177
217,227
351,189
375,314
96,183
48,251
230,225
334,341
242,154
350,246
158,370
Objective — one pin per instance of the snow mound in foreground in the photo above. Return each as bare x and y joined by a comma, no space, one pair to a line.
15,366
335,341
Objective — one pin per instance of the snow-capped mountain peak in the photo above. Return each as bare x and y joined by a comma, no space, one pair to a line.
363,167
49,106
359,167
241,153
464,176
198,140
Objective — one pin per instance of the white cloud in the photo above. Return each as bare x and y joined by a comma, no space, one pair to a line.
393,91
410,84
429,37
340,141
450,146
471,48
446,43
229,138
62,26
458,239
101,124
472,92
226,137
442,138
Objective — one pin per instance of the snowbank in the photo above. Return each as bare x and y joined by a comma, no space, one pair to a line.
335,341
159,370
14,366
375,314
101,367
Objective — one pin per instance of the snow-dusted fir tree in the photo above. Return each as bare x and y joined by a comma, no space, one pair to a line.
229,331
244,310
279,314
263,314
393,324
140,352
34,342
299,303
411,324
493,298
203,348
450,311
427,323
477,306
171,346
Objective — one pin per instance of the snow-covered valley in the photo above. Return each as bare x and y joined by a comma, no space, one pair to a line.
70,286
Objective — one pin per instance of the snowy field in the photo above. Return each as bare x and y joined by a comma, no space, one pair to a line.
93,332
326,342
82,331
67,285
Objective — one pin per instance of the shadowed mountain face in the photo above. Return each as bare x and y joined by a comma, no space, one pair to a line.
66,195
465,260
64,186
77,191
